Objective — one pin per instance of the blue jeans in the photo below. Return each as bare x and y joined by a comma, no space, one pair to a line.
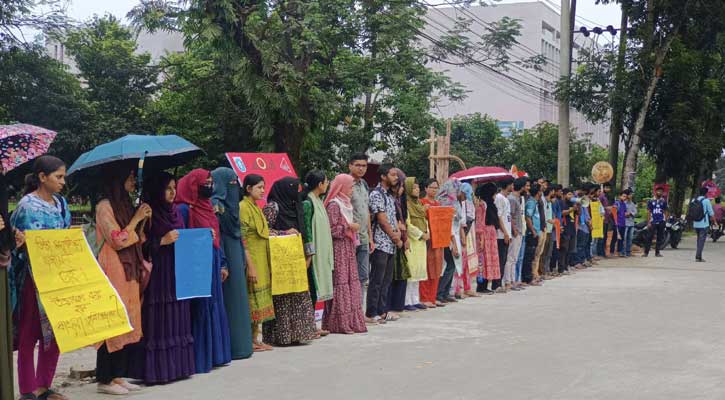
520,260
628,237
594,247
362,253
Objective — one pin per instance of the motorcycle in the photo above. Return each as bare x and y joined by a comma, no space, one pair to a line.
717,233
672,237
673,231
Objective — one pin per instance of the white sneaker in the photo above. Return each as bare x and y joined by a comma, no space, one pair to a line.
129,386
112,389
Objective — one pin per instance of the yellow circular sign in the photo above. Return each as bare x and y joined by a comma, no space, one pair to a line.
602,172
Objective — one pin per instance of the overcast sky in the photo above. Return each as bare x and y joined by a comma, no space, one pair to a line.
586,9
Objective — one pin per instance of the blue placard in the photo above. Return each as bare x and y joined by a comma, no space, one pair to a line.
193,252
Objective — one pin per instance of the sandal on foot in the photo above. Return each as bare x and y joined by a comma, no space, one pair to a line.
51,394
113,389
390,317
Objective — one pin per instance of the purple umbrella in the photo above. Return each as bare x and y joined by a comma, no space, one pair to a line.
20,143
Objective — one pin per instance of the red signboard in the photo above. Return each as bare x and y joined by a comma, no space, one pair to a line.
271,166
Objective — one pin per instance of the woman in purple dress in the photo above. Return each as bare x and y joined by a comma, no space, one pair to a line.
343,313
166,352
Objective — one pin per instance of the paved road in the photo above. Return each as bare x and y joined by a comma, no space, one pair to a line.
627,329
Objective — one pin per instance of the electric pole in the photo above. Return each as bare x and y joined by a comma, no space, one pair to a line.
565,38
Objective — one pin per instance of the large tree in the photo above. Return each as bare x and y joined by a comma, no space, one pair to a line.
317,79
118,82
38,90
659,33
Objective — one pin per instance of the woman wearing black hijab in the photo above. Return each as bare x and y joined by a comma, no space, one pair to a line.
294,321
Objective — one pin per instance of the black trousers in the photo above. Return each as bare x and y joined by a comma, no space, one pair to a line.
527,274
659,230
701,239
503,251
615,239
381,275
396,295
444,285
554,259
563,253
110,366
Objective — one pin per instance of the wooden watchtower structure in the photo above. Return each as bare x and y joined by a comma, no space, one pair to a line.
440,156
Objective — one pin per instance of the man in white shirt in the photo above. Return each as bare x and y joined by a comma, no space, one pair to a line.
504,232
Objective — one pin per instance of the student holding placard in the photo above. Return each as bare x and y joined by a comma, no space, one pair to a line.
41,208
166,352
226,205
119,227
294,321
212,346
434,256
255,234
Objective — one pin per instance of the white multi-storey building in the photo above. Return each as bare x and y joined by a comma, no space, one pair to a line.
520,103
528,97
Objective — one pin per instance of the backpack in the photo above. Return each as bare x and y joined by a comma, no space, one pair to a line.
695,211
89,230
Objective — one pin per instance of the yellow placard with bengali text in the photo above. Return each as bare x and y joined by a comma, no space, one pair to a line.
81,304
289,268
597,220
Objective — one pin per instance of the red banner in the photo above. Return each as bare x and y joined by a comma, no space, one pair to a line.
271,166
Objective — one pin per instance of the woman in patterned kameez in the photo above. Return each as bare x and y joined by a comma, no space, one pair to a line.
342,313
486,244
294,312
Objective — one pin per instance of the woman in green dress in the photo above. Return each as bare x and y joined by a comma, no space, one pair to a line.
255,234
318,239
226,204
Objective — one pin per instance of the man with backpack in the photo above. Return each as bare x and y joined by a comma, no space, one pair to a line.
701,214
657,214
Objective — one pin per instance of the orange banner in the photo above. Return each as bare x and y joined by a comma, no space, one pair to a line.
441,224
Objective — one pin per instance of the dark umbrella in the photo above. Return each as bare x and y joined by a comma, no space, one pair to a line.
160,151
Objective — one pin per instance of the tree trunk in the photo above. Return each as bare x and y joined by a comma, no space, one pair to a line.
617,126
288,139
677,198
660,175
630,164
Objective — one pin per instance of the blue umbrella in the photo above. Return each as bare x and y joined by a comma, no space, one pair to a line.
162,152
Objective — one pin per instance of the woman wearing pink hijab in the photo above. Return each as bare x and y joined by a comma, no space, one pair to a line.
343,313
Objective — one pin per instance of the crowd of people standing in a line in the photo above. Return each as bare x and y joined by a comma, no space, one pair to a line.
368,250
